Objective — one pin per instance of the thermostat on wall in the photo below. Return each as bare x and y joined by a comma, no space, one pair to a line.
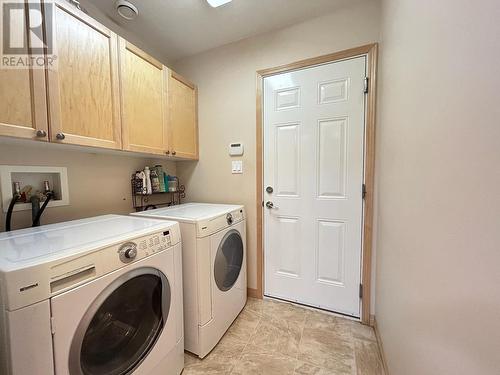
236,149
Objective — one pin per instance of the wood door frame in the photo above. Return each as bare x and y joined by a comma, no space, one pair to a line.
371,52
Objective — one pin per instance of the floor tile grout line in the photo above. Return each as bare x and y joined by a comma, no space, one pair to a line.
298,344
248,341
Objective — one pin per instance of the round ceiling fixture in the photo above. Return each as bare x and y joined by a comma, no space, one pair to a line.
126,9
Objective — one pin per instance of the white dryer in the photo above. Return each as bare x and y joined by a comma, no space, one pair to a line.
95,296
214,269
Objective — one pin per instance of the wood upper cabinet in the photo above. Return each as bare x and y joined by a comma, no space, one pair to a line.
144,101
23,107
83,86
99,91
183,117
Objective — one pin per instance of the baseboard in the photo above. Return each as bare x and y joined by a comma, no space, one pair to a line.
254,293
380,346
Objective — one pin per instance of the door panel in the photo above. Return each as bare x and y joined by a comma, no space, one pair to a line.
287,169
23,107
287,254
183,123
332,158
144,101
83,84
313,161
330,252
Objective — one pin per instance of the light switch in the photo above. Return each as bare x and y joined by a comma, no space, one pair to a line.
237,166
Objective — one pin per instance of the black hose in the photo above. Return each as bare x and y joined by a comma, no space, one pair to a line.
8,218
36,220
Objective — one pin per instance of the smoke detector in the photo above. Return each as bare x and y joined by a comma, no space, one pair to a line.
126,9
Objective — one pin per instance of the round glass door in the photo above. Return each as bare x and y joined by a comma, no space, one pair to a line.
228,260
122,325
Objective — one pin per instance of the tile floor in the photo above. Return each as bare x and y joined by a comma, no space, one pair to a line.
271,337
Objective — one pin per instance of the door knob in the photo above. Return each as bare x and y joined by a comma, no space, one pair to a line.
167,152
41,133
60,136
173,152
269,189
270,205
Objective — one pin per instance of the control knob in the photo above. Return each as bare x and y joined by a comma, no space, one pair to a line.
127,252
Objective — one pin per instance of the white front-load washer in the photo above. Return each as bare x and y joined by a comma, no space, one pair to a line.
214,269
89,297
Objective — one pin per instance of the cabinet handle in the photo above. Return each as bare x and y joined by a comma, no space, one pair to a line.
167,152
173,152
60,136
41,133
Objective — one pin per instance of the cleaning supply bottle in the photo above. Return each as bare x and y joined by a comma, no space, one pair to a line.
155,181
166,177
161,177
139,183
147,174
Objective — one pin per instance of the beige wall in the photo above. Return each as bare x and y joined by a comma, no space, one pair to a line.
438,266
226,80
98,183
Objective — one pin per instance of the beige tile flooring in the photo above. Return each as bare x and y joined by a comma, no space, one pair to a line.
271,337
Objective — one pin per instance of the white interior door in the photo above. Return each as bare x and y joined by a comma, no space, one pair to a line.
314,121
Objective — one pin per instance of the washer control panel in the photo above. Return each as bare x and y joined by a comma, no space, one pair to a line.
144,246
206,227
154,243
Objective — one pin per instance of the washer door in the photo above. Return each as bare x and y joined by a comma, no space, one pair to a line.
228,260
122,325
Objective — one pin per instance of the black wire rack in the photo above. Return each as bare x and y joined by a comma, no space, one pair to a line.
142,202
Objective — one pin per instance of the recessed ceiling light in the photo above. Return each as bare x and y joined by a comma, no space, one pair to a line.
126,9
218,3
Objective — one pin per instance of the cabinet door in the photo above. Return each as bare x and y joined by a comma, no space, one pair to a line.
23,107
84,106
144,101
183,122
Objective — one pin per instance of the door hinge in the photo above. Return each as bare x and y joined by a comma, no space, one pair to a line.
363,191
52,328
365,85
360,291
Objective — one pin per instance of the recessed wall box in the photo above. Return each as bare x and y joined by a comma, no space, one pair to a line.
35,177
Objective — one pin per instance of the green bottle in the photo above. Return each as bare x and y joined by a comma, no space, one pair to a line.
161,178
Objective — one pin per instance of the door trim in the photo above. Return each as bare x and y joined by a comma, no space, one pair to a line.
371,52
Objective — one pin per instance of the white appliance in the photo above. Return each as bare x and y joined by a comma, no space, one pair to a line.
214,268
95,296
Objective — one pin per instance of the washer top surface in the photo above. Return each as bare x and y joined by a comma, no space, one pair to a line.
190,212
27,247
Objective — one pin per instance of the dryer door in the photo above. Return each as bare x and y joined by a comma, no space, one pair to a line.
122,325
228,260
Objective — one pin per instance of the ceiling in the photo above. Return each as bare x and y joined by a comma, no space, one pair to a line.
180,28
